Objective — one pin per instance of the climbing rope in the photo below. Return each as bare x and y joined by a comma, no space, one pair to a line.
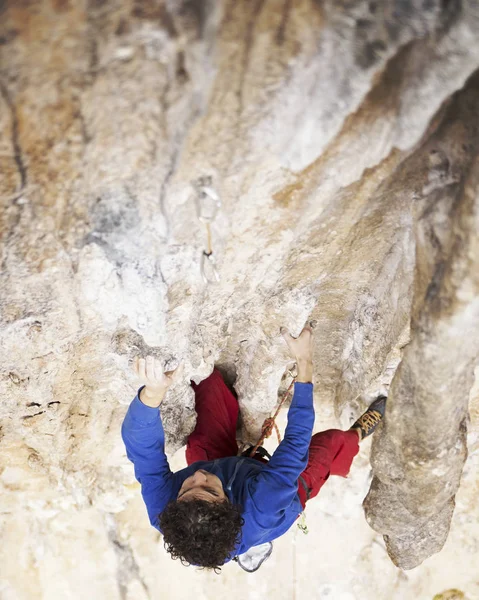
208,204
270,423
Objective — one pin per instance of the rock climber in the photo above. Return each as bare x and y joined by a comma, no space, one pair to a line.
221,504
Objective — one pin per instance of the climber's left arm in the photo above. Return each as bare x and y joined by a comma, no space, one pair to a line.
144,437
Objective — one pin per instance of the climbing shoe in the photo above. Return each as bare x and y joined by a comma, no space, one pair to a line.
369,420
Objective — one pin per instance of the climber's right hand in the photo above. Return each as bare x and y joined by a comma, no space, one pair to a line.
302,346
302,350
156,380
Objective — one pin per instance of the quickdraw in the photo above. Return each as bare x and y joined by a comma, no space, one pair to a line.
208,204
302,525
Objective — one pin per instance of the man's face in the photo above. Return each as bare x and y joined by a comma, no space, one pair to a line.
202,486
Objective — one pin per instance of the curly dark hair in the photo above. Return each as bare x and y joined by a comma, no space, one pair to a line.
201,533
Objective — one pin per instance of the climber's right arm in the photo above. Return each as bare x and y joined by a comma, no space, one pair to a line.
276,485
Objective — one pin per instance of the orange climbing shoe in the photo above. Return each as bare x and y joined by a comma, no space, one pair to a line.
369,420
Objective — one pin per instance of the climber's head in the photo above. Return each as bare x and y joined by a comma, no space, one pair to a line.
202,486
201,527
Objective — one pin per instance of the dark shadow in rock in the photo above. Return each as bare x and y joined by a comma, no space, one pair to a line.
228,372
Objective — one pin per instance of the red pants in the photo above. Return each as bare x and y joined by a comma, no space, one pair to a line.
331,452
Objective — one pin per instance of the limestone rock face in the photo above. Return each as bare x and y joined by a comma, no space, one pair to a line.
341,138
419,454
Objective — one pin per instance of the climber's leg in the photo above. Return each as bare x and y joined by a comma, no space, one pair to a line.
217,413
331,452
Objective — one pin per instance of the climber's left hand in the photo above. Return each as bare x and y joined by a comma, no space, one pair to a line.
156,381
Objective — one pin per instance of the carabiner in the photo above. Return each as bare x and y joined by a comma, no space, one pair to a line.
302,526
207,257
208,204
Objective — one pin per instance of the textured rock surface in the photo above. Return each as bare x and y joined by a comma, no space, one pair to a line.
329,131
419,454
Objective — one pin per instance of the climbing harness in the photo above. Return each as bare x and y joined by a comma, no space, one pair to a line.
208,204
261,453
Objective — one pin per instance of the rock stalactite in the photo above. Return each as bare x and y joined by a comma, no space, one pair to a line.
419,454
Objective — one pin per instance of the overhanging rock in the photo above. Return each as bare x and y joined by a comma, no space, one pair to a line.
419,453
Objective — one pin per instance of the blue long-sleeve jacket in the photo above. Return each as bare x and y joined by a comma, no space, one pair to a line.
268,493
